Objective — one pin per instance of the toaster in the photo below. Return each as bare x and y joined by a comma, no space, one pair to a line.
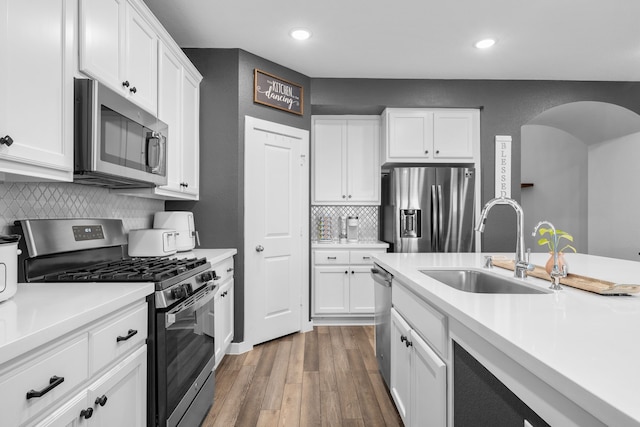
152,242
183,224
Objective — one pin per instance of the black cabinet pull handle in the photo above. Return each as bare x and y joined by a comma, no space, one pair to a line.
130,333
54,382
403,338
102,400
331,257
6,140
408,343
125,83
86,413
133,90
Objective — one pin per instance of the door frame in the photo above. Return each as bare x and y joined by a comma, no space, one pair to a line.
304,209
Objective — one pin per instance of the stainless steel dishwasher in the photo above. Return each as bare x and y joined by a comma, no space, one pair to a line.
382,319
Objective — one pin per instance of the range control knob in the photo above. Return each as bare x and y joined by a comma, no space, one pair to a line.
178,292
207,276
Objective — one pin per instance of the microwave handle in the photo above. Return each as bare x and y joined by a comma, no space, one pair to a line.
157,139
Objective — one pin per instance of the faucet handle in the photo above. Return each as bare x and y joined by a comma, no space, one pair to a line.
530,267
488,261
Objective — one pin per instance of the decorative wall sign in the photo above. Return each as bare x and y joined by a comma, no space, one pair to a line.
277,93
503,166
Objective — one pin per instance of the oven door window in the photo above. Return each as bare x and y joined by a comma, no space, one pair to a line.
189,344
127,143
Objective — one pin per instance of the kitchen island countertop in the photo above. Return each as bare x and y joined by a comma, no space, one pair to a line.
585,346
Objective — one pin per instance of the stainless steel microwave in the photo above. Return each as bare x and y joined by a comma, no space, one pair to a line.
116,143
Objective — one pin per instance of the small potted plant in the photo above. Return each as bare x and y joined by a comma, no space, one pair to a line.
553,243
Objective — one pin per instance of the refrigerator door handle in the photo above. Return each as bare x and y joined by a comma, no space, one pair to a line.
440,220
434,219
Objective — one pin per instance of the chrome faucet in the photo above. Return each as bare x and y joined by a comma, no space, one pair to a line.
556,273
521,264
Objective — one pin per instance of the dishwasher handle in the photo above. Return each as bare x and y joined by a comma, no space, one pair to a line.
382,277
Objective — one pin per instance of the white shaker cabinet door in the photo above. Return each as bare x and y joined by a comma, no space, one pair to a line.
363,157
410,135
400,366
141,61
119,398
101,41
190,135
36,88
170,112
361,293
429,386
331,290
453,134
329,166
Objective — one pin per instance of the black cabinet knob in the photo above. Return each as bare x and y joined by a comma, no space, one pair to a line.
133,90
125,83
86,413
102,400
6,140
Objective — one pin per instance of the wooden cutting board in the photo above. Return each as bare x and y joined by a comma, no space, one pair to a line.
585,283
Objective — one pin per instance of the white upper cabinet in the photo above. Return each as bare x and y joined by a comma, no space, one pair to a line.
345,164
36,89
421,135
119,48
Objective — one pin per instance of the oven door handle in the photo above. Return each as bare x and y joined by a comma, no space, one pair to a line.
181,311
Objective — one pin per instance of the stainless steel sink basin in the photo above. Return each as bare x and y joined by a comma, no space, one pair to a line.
481,282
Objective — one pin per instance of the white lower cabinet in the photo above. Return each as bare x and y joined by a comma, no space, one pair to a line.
418,377
95,376
342,283
223,309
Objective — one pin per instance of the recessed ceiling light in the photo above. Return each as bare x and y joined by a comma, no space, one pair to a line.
300,34
483,44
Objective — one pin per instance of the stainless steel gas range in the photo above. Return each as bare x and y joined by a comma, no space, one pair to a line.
181,329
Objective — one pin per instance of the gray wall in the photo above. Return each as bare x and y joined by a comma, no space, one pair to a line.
226,94
506,106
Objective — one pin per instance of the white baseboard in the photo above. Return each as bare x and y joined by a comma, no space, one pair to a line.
342,321
239,347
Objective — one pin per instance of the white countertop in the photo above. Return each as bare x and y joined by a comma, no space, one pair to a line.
584,345
40,312
373,244
213,255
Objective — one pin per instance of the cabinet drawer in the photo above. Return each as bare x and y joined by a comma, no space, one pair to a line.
427,321
223,270
118,337
331,257
363,257
68,362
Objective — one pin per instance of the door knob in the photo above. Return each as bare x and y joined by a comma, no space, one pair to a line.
259,248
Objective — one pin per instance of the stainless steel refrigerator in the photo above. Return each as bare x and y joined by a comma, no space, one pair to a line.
428,209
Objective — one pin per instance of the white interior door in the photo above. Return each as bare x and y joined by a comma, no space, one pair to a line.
276,231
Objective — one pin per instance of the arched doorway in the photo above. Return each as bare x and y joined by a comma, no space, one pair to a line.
579,171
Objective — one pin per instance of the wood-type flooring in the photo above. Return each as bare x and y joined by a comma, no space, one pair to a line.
326,377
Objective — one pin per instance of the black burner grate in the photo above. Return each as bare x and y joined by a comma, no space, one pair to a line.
155,269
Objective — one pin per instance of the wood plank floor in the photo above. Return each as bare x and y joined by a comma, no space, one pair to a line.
326,377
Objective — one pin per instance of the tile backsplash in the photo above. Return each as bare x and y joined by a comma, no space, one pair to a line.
368,218
19,200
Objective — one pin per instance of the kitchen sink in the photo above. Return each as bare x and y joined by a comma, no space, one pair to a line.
480,282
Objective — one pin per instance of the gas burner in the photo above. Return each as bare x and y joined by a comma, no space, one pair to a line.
154,269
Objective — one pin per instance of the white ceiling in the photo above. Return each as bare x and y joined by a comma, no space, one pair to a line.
537,39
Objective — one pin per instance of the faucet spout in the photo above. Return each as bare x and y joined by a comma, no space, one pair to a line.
521,264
